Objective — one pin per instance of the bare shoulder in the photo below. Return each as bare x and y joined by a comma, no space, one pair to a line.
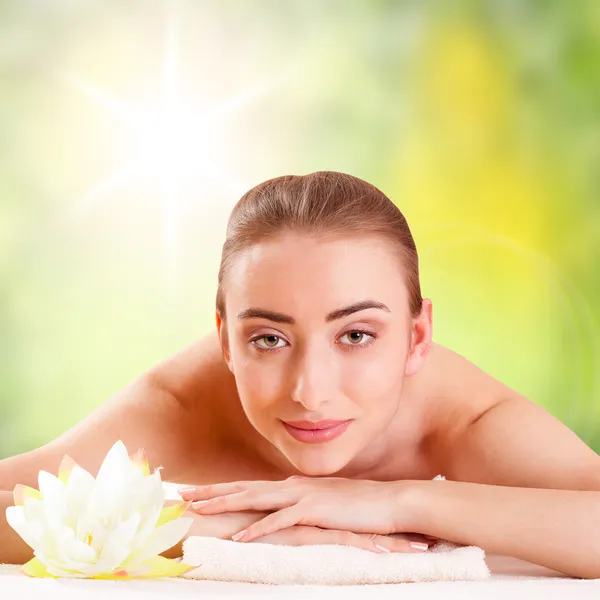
493,435
170,411
196,374
458,393
461,389
204,386
142,415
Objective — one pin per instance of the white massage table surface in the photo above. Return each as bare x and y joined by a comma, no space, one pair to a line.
511,579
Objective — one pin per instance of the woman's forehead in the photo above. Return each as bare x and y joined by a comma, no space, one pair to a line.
324,274
302,252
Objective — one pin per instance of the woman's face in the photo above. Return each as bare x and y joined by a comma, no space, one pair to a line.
295,359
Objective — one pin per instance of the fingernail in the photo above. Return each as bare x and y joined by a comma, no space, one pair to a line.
199,503
236,537
187,490
382,549
418,546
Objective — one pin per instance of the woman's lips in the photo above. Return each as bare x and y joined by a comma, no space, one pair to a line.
316,433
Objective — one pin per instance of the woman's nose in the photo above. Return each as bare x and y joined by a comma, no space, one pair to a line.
313,382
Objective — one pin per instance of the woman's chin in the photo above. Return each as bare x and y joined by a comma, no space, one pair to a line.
317,460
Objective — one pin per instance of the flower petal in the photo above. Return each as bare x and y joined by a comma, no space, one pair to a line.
58,571
80,489
58,567
117,546
72,554
165,567
53,494
150,494
49,485
148,504
170,513
52,488
34,568
29,522
67,464
117,486
55,566
146,527
39,529
140,461
122,574
33,509
116,466
113,526
24,491
15,517
80,552
161,539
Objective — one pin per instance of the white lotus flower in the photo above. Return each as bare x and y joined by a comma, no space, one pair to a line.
111,527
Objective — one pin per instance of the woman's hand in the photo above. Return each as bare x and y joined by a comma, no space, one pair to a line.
334,503
224,525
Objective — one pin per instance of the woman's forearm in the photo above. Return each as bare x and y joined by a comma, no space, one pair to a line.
13,550
558,529
220,526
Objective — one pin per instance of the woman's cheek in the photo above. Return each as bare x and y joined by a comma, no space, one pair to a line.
372,373
258,387
375,383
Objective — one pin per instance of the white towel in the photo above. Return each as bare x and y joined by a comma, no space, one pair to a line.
226,560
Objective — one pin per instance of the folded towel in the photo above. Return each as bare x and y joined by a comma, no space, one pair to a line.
225,560
255,562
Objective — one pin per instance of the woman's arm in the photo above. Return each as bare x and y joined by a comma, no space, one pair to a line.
519,483
559,529
224,525
13,550
143,414
522,484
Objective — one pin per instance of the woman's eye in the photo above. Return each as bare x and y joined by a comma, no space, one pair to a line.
356,338
270,342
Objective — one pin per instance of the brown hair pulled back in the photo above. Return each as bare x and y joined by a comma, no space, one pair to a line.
325,204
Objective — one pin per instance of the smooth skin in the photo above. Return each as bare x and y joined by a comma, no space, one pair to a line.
519,481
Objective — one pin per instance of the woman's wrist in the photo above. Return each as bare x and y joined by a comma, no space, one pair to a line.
410,506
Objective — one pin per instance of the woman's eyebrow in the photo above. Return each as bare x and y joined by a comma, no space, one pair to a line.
278,317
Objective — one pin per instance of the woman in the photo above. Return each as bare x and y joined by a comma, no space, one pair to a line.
322,405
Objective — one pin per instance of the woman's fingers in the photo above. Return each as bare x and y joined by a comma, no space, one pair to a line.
306,535
244,500
257,523
295,514
204,492
415,537
291,517
293,486
355,540
223,525
281,519
400,544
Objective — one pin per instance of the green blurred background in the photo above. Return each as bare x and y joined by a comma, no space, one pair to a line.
128,130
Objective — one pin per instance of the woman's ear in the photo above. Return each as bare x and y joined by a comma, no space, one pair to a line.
224,341
420,338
